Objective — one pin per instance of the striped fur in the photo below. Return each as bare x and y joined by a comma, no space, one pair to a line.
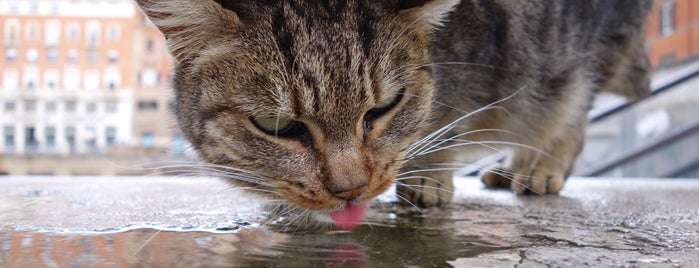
528,67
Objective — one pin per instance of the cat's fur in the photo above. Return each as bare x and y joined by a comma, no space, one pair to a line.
532,65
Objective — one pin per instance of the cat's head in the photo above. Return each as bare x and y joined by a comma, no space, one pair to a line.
314,101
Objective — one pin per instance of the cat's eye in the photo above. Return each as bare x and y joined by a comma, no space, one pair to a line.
380,109
274,125
284,127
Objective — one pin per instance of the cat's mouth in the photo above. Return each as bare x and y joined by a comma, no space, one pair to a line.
349,216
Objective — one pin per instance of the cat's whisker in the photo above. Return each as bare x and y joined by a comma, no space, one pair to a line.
439,142
399,176
196,164
207,169
435,102
265,193
407,201
462,143
498,171
445,129
423,187
139,249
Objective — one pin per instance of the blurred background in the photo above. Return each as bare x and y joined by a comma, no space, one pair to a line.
84,91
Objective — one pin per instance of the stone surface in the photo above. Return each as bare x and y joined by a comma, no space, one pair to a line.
592,223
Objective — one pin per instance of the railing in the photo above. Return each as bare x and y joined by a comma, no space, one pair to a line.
658,86
667,139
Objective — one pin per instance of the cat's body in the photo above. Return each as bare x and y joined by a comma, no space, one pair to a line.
323,102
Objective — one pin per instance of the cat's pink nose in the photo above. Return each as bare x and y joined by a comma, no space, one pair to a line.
347,195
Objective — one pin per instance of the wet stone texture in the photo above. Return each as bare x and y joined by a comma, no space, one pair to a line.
593,223
201,222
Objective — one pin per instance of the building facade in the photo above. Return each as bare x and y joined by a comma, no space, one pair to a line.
673,31
65,76
80,78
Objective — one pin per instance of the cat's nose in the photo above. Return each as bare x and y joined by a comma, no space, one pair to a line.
349,194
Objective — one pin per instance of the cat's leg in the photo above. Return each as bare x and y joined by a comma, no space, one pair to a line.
543,164
529,171
426,181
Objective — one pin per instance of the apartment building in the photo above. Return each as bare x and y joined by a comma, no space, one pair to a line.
81,78
673,31
65,76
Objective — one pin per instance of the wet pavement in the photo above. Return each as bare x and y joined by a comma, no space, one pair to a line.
187,222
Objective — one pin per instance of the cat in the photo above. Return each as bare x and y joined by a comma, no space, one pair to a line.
327,103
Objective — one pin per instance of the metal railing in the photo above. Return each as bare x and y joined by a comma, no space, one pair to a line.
658,87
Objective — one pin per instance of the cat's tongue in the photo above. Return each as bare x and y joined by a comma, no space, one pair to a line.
349,216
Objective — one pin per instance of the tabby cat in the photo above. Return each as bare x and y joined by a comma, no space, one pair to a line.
327,103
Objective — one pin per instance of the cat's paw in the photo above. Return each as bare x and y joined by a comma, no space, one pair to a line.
495,176
537,181
425,192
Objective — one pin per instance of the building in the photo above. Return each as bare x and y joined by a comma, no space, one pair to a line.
153,95
673,31
80,78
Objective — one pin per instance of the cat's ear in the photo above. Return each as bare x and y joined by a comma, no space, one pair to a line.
427,12
186,23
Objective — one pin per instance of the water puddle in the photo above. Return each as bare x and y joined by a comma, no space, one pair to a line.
184,222
410,242
171,222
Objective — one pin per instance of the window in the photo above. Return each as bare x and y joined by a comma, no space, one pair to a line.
34,6
70,138
112,55
147,105
14,6
147,139
30,142
112,78
31,30
72,55
9,136
113,32
92,33
52,32
71,78
92,56
71,106
150,45
55,6
92,79
11,32
30,106
10,107
667,17
148,77
91,138
10,79
51,78
72,30
51,54
178,145
91,107
11,54
110,135
32,55
50,107
50,137
111,107
31,77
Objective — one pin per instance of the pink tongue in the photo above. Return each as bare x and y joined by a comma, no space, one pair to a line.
349,216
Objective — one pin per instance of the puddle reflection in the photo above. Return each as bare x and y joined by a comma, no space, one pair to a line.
368,246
